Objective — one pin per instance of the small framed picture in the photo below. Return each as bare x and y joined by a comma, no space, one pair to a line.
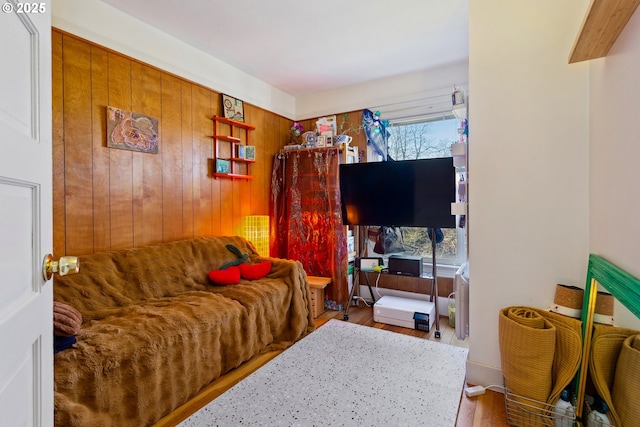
223,166
328,138
249,152
240,151
321,141
233,108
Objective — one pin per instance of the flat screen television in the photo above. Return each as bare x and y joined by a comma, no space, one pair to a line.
407,193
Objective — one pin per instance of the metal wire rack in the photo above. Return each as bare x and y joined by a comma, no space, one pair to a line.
587,410
525,412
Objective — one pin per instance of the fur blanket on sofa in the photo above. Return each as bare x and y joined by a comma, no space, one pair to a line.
155,331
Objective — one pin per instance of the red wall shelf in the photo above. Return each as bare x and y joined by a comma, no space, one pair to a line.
233,176
229,143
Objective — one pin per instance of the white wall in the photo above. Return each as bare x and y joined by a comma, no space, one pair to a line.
615,153
109,27
430,90
528,164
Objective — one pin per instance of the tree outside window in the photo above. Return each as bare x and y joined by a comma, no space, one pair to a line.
424,140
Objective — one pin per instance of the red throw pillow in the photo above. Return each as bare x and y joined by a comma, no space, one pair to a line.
255,271
229,276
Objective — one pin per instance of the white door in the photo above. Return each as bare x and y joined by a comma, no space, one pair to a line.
26,334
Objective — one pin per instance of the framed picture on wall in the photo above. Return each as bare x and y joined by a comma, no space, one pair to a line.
250,152
223,166
233,108
240,151
131,131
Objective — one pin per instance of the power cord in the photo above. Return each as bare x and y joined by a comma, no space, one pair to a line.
477,390
359,298
378,281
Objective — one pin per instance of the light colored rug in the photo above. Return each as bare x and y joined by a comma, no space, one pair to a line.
345,374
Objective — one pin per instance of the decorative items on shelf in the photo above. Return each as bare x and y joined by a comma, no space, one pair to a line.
328,128
233,154
296,133
376,132
459,154
233,108
342,139
459,103
309,139
347,127
223,166
327,133
250,153
239,151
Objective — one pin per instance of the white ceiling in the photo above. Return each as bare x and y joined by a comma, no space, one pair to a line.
304,47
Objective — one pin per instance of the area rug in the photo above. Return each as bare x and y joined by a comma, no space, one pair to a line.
345,374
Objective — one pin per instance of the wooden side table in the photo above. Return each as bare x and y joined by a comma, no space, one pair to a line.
317,285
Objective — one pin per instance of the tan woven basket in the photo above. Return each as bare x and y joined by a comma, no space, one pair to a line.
605,349
540,354
626,384
527,347
568,353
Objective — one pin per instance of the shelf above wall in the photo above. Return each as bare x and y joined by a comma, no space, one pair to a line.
601,27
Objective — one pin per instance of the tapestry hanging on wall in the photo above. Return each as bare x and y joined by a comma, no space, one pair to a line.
131,131
306,219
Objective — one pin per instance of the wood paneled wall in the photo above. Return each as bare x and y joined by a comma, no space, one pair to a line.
106,199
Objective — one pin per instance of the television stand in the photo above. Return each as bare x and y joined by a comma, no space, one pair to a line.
434,287
356,283
434,283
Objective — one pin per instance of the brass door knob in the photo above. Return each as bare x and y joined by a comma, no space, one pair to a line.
66,265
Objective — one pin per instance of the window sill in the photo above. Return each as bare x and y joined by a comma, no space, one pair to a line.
443,270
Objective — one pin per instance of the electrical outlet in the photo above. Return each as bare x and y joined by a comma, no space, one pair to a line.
476,390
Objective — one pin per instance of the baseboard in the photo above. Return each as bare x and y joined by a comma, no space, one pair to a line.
479,374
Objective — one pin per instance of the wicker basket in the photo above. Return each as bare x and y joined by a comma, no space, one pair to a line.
611,368
540,352
525,412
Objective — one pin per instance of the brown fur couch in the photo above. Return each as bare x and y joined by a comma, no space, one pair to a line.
155,331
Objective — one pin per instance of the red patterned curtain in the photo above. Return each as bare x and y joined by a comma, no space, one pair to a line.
306,218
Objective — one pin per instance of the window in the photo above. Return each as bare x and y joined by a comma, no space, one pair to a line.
428,138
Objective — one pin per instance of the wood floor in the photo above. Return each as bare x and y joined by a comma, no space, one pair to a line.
481,411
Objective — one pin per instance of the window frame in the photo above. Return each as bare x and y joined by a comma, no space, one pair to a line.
447,267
